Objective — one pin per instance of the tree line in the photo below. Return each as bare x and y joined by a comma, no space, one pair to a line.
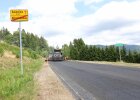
78,50
29,41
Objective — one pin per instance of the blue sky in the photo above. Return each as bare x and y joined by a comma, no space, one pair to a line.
5,4
60,21
80,6
84,9
4,7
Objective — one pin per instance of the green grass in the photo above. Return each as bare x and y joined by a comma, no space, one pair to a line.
14,86
1,51
16,51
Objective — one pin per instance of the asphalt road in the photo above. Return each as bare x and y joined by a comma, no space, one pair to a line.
99,81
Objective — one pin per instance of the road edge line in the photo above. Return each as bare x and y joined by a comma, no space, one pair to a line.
76,92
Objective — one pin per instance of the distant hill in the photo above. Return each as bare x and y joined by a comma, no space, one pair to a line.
132,47
127,46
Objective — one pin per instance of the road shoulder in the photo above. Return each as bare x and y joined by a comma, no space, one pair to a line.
123,64
49,87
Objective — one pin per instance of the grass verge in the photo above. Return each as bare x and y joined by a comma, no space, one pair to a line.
13,86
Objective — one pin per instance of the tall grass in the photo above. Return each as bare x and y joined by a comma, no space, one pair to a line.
1,52
15,86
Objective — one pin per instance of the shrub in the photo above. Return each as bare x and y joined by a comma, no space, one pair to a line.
26,53
16,52
44,53
33,54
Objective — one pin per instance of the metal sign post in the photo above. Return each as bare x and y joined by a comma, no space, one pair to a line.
119,45
19,15
20,48
120,53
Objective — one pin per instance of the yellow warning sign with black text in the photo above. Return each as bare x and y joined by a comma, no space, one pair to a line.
18,15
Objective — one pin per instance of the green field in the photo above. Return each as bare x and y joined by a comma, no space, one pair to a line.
14,86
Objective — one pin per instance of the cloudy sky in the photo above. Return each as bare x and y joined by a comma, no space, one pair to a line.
60,21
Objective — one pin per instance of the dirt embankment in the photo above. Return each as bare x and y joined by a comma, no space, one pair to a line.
49,87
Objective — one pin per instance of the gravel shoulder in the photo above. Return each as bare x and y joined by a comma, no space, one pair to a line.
49,87
123,64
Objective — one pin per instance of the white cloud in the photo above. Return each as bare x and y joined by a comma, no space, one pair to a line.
55,21
119,12
49,7
126,10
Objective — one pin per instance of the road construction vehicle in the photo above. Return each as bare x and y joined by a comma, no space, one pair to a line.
56,55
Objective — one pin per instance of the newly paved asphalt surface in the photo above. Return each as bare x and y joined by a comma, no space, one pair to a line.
99,81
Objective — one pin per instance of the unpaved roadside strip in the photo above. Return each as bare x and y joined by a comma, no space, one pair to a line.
49,87
123,64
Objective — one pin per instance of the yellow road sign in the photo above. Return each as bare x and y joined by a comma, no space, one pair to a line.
19,15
